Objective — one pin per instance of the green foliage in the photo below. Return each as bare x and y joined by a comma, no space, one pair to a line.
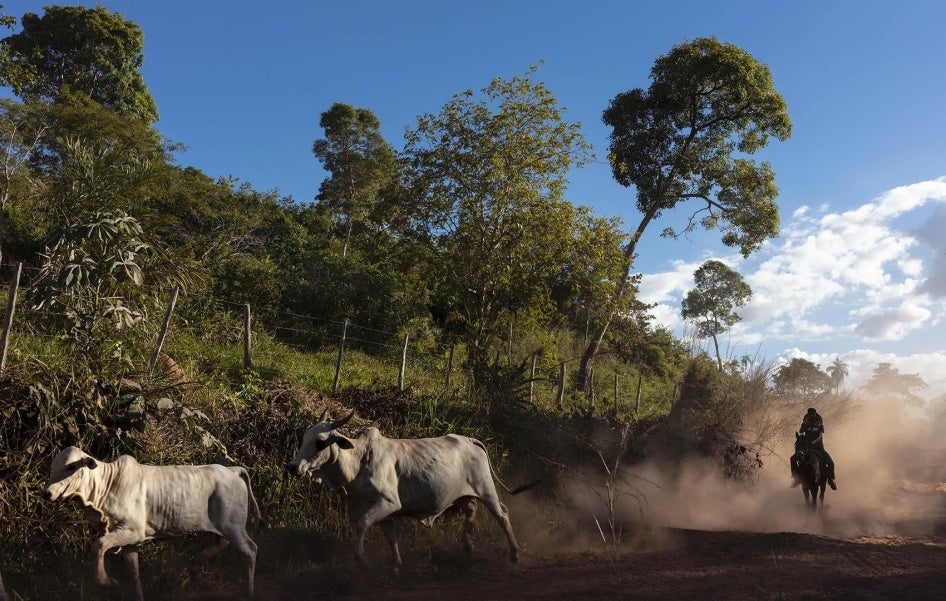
487,175
653,351
94,176
361,164
682,140
90,284
712,304
801,380
66,162
593,263
465,242
74,54
677,140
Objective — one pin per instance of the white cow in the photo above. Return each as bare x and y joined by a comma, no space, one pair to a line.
388,477
138,502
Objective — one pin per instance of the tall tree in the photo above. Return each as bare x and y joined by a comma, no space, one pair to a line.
360,161
712,304
488,175
685,139
888,383
77,54
801,378
838,372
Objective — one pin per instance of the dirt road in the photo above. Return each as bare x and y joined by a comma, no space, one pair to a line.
670,564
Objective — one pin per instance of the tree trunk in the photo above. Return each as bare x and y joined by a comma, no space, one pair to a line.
594,346
719,360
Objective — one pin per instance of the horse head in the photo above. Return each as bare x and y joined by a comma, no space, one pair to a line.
801,443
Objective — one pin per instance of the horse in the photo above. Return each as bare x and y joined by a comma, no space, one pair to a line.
809,467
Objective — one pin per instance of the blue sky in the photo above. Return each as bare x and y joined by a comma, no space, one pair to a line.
859,270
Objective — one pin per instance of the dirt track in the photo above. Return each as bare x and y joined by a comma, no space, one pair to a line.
688,564
654,563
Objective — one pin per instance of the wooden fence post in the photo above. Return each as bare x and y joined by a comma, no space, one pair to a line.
341,353
535,358
400,376
560,401
164,331
247,338
446,380
8,322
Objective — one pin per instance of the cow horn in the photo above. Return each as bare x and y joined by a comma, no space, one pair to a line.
324,413
343,421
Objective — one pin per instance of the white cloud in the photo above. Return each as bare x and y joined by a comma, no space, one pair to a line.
849,272
892,323
668,285
855,278
931,234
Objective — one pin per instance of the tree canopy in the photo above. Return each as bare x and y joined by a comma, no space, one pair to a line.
801,380
712,303
360,161
76,54
487,174
687,137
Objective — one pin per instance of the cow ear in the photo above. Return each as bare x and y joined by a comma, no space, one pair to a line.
343,442
90,463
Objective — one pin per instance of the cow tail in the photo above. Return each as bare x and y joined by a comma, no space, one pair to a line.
249,489
514,491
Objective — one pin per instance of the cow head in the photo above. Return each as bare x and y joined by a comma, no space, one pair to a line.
69,473
318,445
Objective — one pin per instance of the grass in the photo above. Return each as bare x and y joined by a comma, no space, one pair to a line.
258,416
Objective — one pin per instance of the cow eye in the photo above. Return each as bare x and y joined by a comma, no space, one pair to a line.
321,444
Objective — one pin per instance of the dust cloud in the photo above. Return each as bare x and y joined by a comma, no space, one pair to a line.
891,473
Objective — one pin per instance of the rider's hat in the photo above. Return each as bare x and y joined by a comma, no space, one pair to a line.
812,410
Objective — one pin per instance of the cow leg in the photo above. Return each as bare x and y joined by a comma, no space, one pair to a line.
130,555
201,558
373,514
116,538
248,548
390,532
468,507
499,511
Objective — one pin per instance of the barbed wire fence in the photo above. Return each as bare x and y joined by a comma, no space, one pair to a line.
311,334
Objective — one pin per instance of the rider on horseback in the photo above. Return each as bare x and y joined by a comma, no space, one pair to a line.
812,428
